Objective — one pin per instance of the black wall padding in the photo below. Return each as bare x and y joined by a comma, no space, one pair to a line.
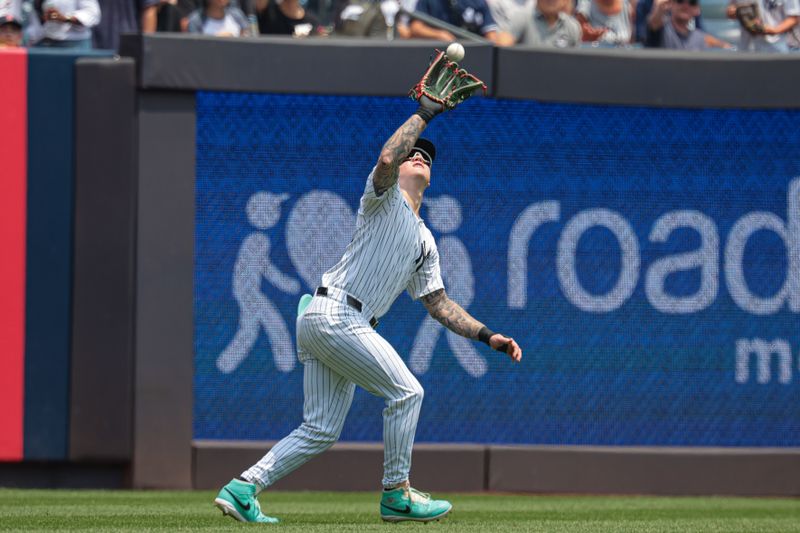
101,414
660,78
285,65
164,291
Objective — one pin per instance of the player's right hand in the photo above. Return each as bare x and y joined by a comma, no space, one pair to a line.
501,343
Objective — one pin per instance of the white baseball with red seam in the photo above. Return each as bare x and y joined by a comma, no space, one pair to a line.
455,52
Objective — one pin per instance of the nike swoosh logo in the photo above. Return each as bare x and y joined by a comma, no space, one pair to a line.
407,510
243,506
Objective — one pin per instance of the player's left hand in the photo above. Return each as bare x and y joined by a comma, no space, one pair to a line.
508,345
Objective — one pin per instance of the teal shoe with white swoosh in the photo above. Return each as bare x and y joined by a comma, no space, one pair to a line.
408,504
238,499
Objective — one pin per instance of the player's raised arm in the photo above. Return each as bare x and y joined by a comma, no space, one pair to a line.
453,317
443,86
394,151
401,142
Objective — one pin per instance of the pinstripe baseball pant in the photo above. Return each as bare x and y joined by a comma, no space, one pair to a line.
339,350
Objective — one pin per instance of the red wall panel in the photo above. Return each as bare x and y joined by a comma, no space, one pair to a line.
13,156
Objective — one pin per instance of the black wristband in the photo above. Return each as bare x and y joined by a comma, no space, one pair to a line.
426,114
485,334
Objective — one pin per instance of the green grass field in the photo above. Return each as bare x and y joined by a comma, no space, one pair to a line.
71,510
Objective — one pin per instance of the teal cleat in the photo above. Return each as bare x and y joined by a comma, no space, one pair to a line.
238,499
404,503
303,303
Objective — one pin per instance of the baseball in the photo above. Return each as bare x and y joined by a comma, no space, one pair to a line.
455,52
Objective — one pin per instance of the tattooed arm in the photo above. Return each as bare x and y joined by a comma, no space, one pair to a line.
453,317
394,151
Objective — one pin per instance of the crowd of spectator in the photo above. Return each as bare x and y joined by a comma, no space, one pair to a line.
766,25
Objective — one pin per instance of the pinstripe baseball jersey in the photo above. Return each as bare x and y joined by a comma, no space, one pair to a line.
391,251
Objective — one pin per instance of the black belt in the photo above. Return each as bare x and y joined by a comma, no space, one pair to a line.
352,302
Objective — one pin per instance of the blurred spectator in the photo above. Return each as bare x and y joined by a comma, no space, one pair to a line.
10,31
11,23
218,17
550,24
669,25
508,14
402,21
471,15
168,15
643,9
119,16
364,18
608,22
779,26
286,17
64,23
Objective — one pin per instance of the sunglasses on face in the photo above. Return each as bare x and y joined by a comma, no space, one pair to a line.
422,156
690,2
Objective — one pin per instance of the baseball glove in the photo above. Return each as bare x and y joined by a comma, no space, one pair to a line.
446,84
748,18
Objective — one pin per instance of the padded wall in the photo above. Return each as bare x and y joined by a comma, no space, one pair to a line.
51,174
103,290
14,65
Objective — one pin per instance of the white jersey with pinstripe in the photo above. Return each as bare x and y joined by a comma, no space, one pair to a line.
391,250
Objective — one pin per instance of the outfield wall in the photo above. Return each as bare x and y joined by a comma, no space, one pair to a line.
643,249
40,175
636,299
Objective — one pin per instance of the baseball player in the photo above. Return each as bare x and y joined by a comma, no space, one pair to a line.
391,251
